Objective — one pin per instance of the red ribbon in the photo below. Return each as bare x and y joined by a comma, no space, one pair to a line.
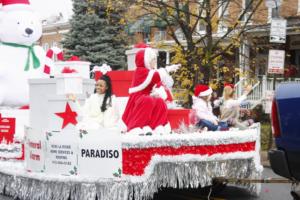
74,58
68,70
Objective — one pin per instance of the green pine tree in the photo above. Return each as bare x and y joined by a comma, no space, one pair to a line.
96,34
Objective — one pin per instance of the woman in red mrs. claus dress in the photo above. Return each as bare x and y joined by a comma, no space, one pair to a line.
146,110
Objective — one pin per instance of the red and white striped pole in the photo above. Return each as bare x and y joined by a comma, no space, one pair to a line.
49,63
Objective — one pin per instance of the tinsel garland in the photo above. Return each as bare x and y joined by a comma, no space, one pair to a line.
191,139
166,174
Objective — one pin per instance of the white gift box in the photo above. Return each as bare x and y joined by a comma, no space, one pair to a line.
69,84
81,67
45,102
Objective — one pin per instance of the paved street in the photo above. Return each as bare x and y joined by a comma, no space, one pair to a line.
5,198
269,192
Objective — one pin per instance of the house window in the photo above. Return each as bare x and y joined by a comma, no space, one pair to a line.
202,26
247,8
202,23
162,59
179,34
159,36
223,8
223,15
248,5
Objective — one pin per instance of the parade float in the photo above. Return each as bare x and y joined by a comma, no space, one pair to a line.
62,162
45,156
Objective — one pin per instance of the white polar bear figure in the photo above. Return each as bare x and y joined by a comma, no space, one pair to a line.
20,59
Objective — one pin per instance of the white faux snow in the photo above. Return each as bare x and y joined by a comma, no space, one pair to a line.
193,139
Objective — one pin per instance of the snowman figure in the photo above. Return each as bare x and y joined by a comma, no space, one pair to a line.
20,58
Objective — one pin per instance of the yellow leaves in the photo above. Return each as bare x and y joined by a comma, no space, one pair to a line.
181,15
214,85
91,9
195,67
181,95
170,11
179,59
225,69
186,83
179,56
238,72
216,60
236,41
122,21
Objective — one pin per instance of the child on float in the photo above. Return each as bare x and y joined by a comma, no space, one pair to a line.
146,110
100,109
218,101
230,108
202,107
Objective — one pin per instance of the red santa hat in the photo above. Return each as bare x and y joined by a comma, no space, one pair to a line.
143,76
202,90
15,5
229,85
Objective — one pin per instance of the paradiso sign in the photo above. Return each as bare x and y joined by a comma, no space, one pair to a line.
102,151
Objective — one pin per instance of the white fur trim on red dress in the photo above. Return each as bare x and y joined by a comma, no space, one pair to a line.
142,86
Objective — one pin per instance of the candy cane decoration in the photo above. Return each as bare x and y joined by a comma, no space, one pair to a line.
49,58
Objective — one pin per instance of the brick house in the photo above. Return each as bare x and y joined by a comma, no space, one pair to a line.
53,34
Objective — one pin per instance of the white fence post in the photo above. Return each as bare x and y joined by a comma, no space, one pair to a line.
264,85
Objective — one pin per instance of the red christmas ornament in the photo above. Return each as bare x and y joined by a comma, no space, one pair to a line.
68,116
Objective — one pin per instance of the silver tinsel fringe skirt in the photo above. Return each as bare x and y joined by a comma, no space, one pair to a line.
29,186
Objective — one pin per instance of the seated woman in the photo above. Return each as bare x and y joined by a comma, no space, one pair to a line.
230,108
100,109
146,109
203,108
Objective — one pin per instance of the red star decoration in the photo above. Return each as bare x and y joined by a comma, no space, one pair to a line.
68,116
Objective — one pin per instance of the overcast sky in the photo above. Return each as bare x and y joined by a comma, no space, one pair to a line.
46,8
